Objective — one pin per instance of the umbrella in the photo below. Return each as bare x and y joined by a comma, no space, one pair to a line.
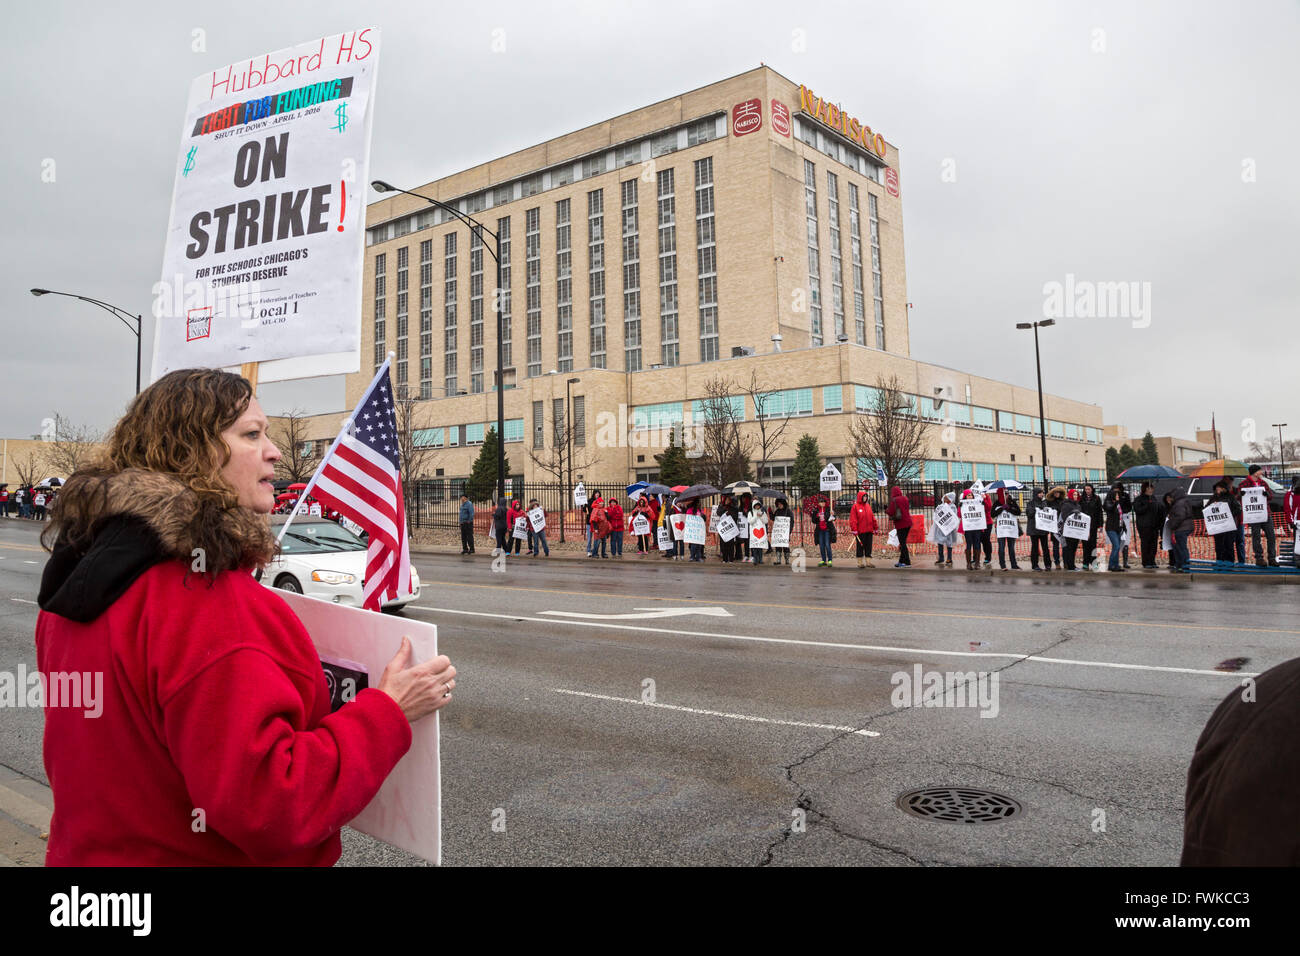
677,489
654,488
298,486
638,486
1219,467
1010,484
1138,472
52,482
286,497
698,491
770,493
741,488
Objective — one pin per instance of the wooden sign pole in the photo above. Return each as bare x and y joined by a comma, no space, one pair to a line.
249,371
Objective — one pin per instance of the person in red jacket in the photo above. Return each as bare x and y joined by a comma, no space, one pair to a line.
862,522
1254,481
1291,514
900,513
513,513
209,700
614,515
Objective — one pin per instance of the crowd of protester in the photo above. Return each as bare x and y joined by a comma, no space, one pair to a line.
36,503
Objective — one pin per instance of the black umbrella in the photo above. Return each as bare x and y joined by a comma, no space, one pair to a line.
656,489
769,493
698,491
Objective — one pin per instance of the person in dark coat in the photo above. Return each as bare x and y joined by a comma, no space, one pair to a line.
1182,521
1243,784
466,519
1066,507
1117,507
1007,504
1091,505
900,513
1225,542
1150,516
499,525
1039,538
782,510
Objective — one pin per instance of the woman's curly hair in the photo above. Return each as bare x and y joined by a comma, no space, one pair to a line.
172,428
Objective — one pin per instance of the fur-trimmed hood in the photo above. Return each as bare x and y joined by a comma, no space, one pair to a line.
113,527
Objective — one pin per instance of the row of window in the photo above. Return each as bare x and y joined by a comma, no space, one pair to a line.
946,471
625,154
816,136
452,436
559,434
798,402
836,261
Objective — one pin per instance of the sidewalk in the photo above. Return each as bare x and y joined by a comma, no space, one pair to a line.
849,563
25,809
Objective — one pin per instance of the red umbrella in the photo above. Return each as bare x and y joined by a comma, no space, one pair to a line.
299,486
679,488
286,497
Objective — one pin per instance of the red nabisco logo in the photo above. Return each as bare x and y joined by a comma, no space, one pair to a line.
746,117
891,180
781,118
198,323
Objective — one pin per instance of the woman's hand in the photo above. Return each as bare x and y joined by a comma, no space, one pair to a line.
418,690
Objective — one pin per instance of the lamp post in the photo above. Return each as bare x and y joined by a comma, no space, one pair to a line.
122,316
1042,423
568,426
382,187
1281,449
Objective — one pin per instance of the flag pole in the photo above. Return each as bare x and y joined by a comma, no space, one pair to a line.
347,425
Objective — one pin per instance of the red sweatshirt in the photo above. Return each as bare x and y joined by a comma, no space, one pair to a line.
213,700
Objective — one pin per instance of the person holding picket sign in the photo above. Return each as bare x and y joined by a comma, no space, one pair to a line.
1006,519
900,512
862,522
757,530
1225,541
782,510
823,521
513,514
640,524
1040,535
1118,505
1067,508
947,511
1090,505
614,515
971,528
1254,486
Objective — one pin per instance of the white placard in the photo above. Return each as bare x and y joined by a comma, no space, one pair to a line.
972,515
265,241
1254,506
1008,525
831,479
1078,526
1166,538
781,531
742,525
1218,518
580,495
946,519
678,523
665,539
727,528
758,538
521,528
713,520
640,525
315,509
695,530
1048,520
537,518
406,812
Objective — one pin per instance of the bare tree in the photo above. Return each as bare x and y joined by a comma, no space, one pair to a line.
70,447
289,433
725,451
418,456
770,428
29,467
556,460
892,433
1267,450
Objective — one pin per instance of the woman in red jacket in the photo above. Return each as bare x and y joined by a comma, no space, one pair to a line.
862,522
900,512
513,514
209,693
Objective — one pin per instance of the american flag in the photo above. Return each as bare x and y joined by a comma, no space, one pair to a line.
361,479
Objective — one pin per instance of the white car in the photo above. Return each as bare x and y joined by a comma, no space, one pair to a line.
322,560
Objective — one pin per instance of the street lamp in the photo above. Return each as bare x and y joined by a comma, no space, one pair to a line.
568,426
1281,449
122,316
382,187
1042,423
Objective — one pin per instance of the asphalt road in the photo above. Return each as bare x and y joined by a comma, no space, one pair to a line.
772,731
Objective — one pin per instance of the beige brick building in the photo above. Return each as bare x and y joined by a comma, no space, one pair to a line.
1180,453
747,225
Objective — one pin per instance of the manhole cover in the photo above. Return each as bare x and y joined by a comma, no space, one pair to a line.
958,805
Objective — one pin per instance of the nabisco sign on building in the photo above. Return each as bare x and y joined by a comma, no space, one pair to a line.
841,122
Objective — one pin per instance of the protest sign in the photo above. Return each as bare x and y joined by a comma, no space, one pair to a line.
665,539
1254,506
758,537
678,523
694,531
537,518
406,812
521,528
781,532
1218,518
945,519
713,520
315,509
1077,526
1008,525
580,495
265,240
1166,538
972,516
640,525
727,528
1047,519
831,479
742,525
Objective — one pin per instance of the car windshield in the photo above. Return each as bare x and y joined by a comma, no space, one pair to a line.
318,537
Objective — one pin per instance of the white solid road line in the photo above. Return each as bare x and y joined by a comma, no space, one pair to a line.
717,713
22,600
923,651
646,613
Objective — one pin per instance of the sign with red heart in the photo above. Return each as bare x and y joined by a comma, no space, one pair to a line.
758,538
679,526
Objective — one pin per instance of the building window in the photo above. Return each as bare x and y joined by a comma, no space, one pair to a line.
403,328
814,254
787,403
663,144
981,417
563,288
878,297
558,436
631,278
596,273
837,265
593,166
562,176
832,399
539,424
426,318
475,312
628,155
701,131
533,287
659,417
503,297
859,292
706,259
381,346
579,419
427,438
667,268
1006,422
473,434
514,429
502,195
449,313
530,186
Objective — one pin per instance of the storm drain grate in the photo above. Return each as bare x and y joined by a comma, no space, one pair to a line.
958,805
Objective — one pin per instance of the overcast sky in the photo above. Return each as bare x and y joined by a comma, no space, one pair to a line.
1147,142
